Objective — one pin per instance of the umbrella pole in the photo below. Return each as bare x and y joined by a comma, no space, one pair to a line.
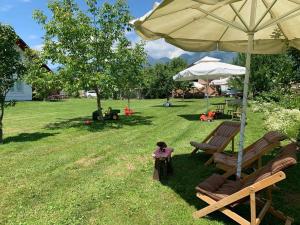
207,104
244,107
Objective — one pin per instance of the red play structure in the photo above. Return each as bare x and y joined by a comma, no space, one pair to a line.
209,117
128,111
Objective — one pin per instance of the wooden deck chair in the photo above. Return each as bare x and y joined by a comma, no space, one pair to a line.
252,154
223,194
218,139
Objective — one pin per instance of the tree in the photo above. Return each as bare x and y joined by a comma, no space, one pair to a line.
129,66
176,65
83,41
268,72
294,54
11,67
43,81
159,78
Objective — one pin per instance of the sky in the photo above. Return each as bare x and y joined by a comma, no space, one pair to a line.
18,14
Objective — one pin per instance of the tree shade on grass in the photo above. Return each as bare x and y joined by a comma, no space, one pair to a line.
56,170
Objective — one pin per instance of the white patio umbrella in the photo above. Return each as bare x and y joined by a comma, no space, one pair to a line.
209,68
251,26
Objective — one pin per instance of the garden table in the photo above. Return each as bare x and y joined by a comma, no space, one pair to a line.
163,163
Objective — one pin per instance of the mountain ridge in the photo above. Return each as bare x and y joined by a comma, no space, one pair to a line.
227,57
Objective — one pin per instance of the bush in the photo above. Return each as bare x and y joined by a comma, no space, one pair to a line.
285,120
278,118
281,97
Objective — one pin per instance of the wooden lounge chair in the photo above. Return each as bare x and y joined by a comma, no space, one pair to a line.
252,153
223,194
218,139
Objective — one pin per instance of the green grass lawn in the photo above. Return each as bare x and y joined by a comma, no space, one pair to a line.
56,170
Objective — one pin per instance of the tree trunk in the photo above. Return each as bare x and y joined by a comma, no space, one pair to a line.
1,119
99,107
128,100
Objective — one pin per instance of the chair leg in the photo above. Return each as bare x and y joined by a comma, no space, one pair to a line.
278,214
194,151
253,208
210,161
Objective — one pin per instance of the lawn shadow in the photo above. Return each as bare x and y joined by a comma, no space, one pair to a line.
173,106
79,122
185,101
189,171
196,117
24,137
223,117
190,117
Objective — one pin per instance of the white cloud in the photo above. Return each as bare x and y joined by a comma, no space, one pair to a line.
159,48
38,47
26,1
32,37
5,8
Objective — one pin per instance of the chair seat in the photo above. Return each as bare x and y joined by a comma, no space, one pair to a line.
225,159
208,148
217,187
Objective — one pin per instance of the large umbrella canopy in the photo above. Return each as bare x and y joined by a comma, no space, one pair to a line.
206,25
209,68
251,26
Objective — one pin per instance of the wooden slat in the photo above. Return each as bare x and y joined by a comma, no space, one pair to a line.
222,203
253,207
224,210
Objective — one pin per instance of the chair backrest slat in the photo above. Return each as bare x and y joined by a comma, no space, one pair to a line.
224,133
285,159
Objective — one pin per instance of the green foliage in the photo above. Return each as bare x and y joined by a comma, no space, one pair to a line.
268,72
129,67
294,54
280,97
83,41
159,81
43,81
11,66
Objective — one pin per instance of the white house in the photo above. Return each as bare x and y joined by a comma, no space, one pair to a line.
21,91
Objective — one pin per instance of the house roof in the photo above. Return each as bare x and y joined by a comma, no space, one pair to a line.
22,44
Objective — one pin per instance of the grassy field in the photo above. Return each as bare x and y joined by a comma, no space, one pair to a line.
56,170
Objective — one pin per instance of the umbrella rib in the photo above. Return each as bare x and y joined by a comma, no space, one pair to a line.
242,6
282,18
237,13
272,16
224,21
195,19
295,1
267,11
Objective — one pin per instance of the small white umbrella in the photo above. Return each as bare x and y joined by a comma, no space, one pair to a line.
209,68
251,26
